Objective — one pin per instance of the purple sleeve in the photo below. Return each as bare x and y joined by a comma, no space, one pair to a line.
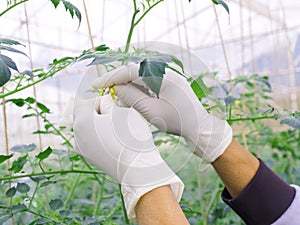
264,200
292,215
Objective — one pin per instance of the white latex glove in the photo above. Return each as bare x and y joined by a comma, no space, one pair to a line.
177,110
118,141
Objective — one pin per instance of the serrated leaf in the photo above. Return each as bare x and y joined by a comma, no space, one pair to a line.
3,158
295,123
18,164
56,204
7,41
11,192
101,48
17,101
64,213
10,49
45,154
5,73
46,183
9,62
177,62
72,9
217,2
199,88
152,73
106,58
23,148
42,107
30,100
55,3
229,99
18,208
38,178
28,73
23,188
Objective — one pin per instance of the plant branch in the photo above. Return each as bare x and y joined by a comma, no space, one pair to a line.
146,12
61,172
11,7
250,118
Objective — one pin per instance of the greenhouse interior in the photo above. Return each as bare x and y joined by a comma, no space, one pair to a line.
240,57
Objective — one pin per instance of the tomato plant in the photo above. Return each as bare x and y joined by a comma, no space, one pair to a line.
45,185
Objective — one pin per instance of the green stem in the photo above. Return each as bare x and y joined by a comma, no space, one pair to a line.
123,206
100,197
45,217
11,7
146,12
75,184
33,195
132,26
62,172
250,119
47,75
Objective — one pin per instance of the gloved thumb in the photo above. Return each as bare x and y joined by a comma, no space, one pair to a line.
104,104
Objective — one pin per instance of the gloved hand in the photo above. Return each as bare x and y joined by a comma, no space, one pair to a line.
118,141
177,110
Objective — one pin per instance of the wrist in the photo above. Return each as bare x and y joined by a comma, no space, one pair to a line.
210,139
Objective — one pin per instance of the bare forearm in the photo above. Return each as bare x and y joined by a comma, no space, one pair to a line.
236,167
159,207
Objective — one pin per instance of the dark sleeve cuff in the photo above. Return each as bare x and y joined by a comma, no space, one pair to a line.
264,199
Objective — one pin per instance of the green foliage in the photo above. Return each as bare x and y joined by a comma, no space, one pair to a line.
6,63
73,10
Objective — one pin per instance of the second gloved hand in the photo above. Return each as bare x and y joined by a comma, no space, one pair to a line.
177,110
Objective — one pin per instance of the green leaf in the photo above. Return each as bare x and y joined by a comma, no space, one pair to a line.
11,192
105,58
55,3
72,9
10,49
3,158
5,73
199,88
17,101
45,154
42,107
9,62
5,218
7,41
217,2
64,213
229,99
18,164
18,208
56,204
177,62
30,100
101,48
23,148
295,123
152,74
39,178
28,73
23,188
46,183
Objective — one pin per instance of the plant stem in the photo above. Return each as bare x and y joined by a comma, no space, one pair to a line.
47,75
61,172
250,118
71,192
99,199
123,206
11,7
132,26
146,12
